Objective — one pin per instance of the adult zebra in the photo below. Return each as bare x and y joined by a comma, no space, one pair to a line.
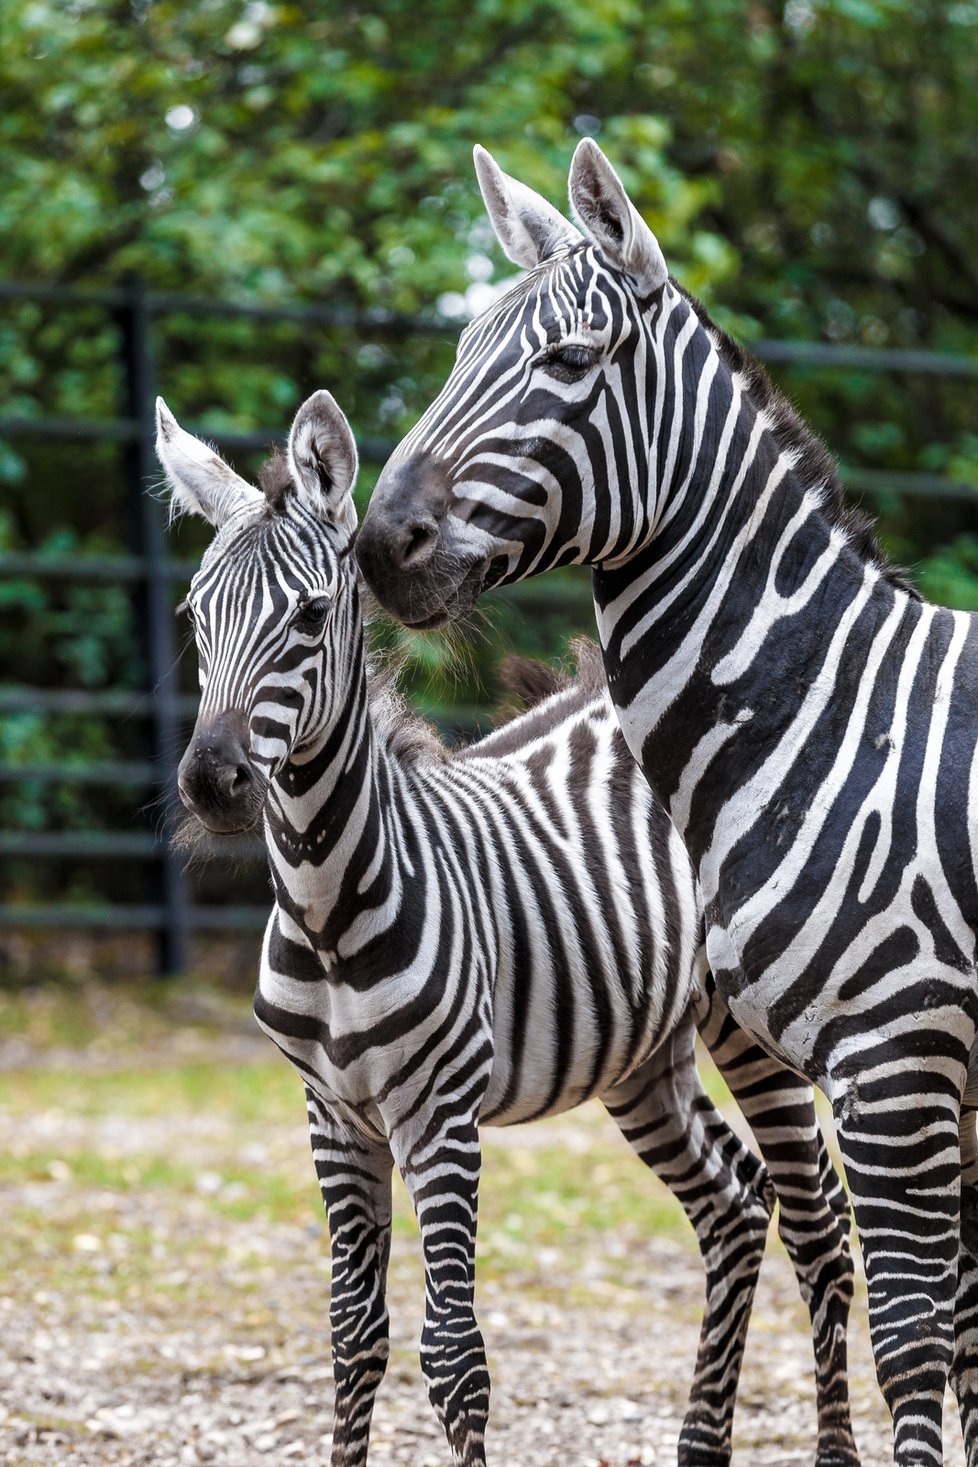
482,937
809,723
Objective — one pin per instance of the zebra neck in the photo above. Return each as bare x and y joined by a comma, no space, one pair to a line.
333,828
747,610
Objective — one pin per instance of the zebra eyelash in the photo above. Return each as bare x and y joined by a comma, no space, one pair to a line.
569,360
313,611
182,607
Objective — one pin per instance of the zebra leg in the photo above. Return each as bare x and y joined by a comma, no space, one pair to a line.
671,1123
355,1180
898,1130
964,1369
813,1213
442,1176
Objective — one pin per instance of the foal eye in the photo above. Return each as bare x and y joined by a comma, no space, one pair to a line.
569,363
313,613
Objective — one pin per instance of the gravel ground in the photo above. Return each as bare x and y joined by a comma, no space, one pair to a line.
217,1352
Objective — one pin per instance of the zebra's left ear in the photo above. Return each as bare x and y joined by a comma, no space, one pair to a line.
608,215
323,460
528,228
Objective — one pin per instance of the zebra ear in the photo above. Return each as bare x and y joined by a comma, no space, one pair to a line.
200,481
323,460
528,228
599,200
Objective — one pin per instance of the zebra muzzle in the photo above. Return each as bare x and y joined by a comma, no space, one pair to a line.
218,781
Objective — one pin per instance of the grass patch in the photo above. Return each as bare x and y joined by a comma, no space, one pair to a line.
137,1178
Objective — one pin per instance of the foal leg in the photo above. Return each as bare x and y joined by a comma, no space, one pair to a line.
813,1214
441,1172
355,1180
670,1121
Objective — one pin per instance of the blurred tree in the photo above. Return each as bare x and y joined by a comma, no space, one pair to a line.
806,163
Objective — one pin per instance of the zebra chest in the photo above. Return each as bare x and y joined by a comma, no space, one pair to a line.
349,1045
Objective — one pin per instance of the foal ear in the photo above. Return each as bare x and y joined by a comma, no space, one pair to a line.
600,202
323,460
200,481
528,228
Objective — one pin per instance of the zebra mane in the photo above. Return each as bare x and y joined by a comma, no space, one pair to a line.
530,682
816,465
408,736
538,697
275,478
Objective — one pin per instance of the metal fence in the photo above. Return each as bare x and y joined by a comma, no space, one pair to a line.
150,573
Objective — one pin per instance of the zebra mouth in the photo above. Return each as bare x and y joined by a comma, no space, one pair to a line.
444,604
229,830
209,812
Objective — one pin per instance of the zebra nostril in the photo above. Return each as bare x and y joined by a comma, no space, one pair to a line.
419,544
234,780
242,780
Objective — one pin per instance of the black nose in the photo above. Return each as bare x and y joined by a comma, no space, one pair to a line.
217,780
401,529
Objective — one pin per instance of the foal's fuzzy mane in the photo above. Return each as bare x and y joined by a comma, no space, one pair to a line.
815,463
275,478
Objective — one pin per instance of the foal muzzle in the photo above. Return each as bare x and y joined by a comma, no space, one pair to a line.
217,780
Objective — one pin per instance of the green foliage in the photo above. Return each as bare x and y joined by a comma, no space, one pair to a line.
807,165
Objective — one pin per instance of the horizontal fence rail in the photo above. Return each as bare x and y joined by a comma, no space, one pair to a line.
159,710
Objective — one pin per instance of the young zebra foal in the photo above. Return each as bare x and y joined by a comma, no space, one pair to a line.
474,938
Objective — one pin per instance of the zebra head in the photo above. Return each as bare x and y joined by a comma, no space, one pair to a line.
536,452
269,604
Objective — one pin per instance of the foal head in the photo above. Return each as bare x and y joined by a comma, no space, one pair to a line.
271,604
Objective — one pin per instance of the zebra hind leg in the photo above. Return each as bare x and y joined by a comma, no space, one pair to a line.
671,1123
355,1180
964,1369
813,1213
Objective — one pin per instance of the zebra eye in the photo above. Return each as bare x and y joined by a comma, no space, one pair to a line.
313,613
569,363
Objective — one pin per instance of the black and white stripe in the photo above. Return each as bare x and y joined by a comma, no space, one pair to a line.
475,938
811,725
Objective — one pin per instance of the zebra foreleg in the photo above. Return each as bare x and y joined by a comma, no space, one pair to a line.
442,1176
964,1369
671,1123
898,1131
355,1180
813,1213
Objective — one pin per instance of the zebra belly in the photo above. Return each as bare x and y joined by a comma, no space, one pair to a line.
573,1041
889,983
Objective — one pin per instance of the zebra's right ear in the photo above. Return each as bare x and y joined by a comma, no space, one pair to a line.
323,460
528,228
201,482
599,200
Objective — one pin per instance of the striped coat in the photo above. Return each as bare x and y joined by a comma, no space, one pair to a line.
474,938
811,726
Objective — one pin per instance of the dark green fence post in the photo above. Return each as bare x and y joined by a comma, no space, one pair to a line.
155,613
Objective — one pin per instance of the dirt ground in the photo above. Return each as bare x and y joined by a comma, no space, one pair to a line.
167,1322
